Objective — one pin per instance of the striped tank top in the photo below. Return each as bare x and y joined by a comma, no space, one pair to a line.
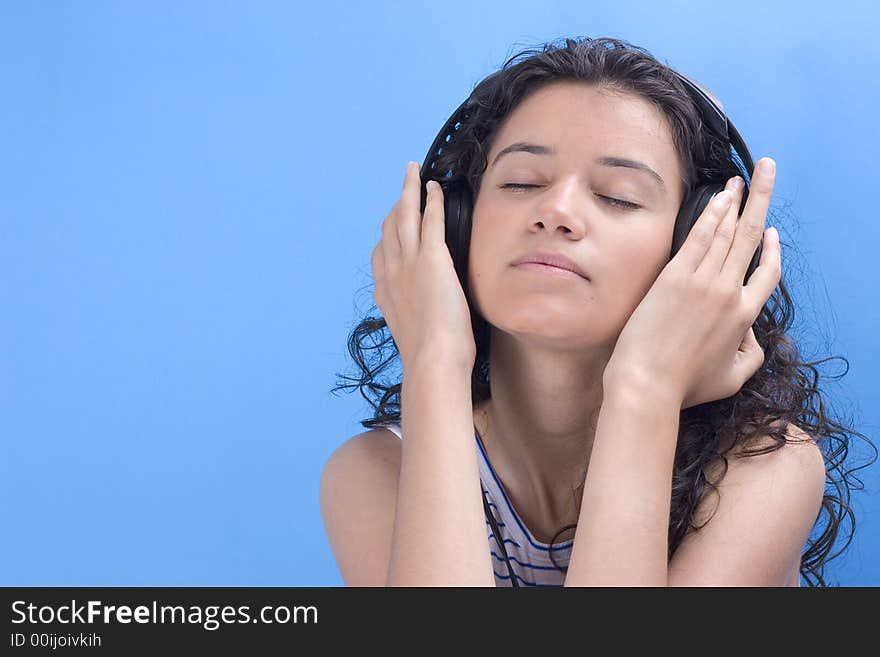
529,557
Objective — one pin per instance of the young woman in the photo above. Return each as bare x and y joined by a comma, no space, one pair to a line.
575,377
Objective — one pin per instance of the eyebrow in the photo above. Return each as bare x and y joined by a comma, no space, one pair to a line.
608,161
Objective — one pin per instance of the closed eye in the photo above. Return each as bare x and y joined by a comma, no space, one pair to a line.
614,202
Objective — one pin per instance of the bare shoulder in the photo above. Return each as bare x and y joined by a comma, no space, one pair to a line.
799,459
374,444
799,456
358,498
800,453
753,528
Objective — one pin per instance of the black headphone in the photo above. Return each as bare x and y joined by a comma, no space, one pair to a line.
458,202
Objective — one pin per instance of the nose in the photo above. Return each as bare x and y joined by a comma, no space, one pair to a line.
562,209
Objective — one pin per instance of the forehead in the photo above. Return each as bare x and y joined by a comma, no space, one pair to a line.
578,120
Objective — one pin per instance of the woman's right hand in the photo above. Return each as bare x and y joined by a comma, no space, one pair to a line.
416,286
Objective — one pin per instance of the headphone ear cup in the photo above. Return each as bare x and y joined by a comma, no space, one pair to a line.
457,204
690,212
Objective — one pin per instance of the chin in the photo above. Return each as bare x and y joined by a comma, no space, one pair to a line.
563,331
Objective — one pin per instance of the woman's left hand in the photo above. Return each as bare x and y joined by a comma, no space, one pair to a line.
691,336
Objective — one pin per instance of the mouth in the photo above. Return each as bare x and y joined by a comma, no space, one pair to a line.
541,268
550,263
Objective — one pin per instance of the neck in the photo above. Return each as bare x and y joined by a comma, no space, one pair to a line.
539,424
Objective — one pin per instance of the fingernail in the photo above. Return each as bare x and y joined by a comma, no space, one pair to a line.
768,167
737,184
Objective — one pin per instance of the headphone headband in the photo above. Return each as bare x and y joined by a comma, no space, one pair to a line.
712,111
710,106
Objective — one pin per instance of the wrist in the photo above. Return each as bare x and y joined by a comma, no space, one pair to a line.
632,384
440,362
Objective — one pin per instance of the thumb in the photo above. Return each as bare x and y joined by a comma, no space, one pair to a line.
749,356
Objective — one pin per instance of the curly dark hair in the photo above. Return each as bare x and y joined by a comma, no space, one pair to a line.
784,390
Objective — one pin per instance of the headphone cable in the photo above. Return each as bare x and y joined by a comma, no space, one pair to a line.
498,539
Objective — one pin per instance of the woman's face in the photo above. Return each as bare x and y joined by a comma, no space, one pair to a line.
620,249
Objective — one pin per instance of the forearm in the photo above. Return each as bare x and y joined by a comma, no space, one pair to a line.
440,536
623,527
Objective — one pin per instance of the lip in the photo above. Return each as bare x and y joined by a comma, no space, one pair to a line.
549,262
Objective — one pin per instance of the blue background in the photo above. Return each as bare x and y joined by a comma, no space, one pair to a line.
189,197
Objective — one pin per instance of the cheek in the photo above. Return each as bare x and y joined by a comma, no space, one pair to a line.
481,264
635,272
488,250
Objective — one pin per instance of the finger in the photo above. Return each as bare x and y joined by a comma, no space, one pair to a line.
391,238
409,218
390,242
702,233
434,222
749,341
750,229
714,258
749,357
767,274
